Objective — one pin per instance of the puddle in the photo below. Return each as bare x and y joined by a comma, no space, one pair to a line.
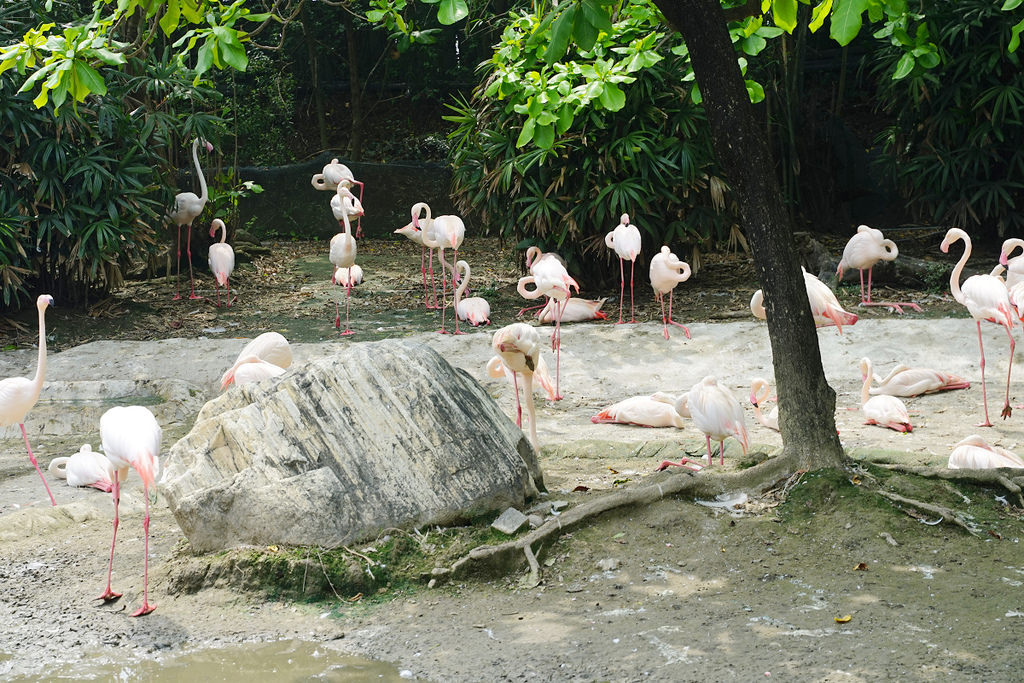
286,660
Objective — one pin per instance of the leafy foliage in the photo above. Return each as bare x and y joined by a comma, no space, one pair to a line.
956,150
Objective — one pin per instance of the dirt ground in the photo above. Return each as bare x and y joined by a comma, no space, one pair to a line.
672,592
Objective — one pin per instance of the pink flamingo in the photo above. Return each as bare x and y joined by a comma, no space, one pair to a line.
544,381
907,381
1015,265
986,298
575,310
656,410
252,368
269,346
518,346
717,413
19,394
475,309
221,259
760,390
448,233
825,308
973,453
882,410
85,468
625,240
666,272
335,176
131,439
864,250
550,279
187,207
344,205
414,231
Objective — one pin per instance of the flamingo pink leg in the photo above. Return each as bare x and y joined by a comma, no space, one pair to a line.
664,322
108,594
177,274
146,607
673,322
348,296
1007,410
866,301
423,272
359,219
188,252
984,395
519,406
557,341
622,289
685,462
433,286
32,457
632,310
455,278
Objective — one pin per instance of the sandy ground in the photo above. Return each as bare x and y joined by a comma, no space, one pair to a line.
673,592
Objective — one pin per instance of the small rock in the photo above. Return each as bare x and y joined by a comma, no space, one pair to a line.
440,571
559,505
609,564
535,521
510,521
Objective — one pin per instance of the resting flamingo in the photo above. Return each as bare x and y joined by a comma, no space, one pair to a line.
343,247
252,368
882,410
973,453
760,390
19,394
474,310
518,345
269,346
334,176
1015,265
550,279
187,207
414,231
131,439
864,250
221,259
825,308
666,272
717,413
85,468
656,410
986,298
575,310
625,240
906,381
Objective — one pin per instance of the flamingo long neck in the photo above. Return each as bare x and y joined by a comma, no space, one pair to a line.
865,388
37,381
461,289
890,249
527,293
203,196
344,218
223,231
954,277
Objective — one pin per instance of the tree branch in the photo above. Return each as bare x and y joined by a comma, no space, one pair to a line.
751,9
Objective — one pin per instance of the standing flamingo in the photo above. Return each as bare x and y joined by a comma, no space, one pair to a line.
131,439
344,205
269,346
187,207
222,259
414,231
986,298
446,232
906,381
625,240
335,176
666,272
717,413
864,250
518,346
550,279
759,392
18,394
973,453
882,410
825,308
475,309
544,382
1015,265
85,468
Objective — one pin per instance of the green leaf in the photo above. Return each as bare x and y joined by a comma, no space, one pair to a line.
584,33
597,16
90,79
846,20
1015,39
526,134
544,136
171,18
904,67
452,11
612,98
755,91
564,119
784,14
561,32
819,13
1011,5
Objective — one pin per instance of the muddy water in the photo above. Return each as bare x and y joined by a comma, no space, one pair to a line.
287,660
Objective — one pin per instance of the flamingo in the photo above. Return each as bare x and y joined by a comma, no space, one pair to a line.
131,439
986,298
475,309
656,410
415,233
497,368
445,232
550,279
973,453
349,277
575,310
864,250
518,345
666,272
344,205
19,394
759,392
335,176
625,240
85,468
187,207
252,368
222,259
825,308
1015,265
269,346
906,381
717,413
882,410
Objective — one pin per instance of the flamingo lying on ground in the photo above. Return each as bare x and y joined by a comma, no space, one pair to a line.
334,176
131,439
717,413
760,390
518,345
883,410
625,240
254,369
19,394
864,250
656,410
187,207
85,468
575,310
825,308
666,272
986,298
221,259
973,453
349,277
550,279
906,381
474,310
271,347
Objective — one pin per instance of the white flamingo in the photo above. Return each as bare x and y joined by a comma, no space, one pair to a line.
269,346
1014,266
334,176
414,231
666,272
445,232
760,390
550,279
717,413
973,453
656,410
882,410
518,345
825,308
85,468
625,240
907,381
187,207
575,310
221,259
474,310
344,205
864,250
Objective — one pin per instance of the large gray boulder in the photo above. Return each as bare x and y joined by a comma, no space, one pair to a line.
378,435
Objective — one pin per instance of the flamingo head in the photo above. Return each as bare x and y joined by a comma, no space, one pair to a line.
206,144
624,219
1003,260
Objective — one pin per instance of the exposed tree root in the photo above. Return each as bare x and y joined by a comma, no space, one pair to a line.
510,556
945,514
994,477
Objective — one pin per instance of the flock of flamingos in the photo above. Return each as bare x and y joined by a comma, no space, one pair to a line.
131,436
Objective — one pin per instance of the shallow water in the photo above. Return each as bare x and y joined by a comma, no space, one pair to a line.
286,660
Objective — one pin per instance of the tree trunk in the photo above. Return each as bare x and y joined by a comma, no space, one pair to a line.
806,401
355,145
314,72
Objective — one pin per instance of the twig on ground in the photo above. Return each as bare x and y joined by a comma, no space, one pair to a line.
945,514
993,477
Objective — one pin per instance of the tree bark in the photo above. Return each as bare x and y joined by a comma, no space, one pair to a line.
355,89
314,71
806,401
